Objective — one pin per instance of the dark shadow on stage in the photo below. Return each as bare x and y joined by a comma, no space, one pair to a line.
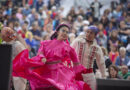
107,84
5,66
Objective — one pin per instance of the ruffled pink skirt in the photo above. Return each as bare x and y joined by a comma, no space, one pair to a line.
46,76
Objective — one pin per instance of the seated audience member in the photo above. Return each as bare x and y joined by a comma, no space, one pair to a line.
114,38
71,37
124,72
122,59
113,73
31,44
102,39
36,34
108,62
113,53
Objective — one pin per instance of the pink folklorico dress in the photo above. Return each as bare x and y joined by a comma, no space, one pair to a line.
51,74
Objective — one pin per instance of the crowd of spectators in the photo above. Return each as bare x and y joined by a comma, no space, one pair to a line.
36,20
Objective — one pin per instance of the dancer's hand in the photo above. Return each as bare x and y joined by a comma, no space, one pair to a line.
43,60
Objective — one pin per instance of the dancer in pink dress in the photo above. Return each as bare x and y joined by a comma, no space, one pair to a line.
46,71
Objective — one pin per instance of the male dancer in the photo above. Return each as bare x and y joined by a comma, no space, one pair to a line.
88,50
9,37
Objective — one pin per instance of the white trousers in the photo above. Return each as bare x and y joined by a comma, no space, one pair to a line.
19,83
90,79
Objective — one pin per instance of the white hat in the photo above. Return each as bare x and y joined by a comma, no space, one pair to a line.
54,8
71,35
86,22
81,34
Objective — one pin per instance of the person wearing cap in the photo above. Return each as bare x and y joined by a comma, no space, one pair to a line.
88,50
84,25
9,37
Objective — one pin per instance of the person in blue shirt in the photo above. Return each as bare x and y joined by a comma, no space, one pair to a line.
36,34
31,44
122,59
39,4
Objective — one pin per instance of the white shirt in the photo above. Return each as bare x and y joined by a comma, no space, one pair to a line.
89,53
